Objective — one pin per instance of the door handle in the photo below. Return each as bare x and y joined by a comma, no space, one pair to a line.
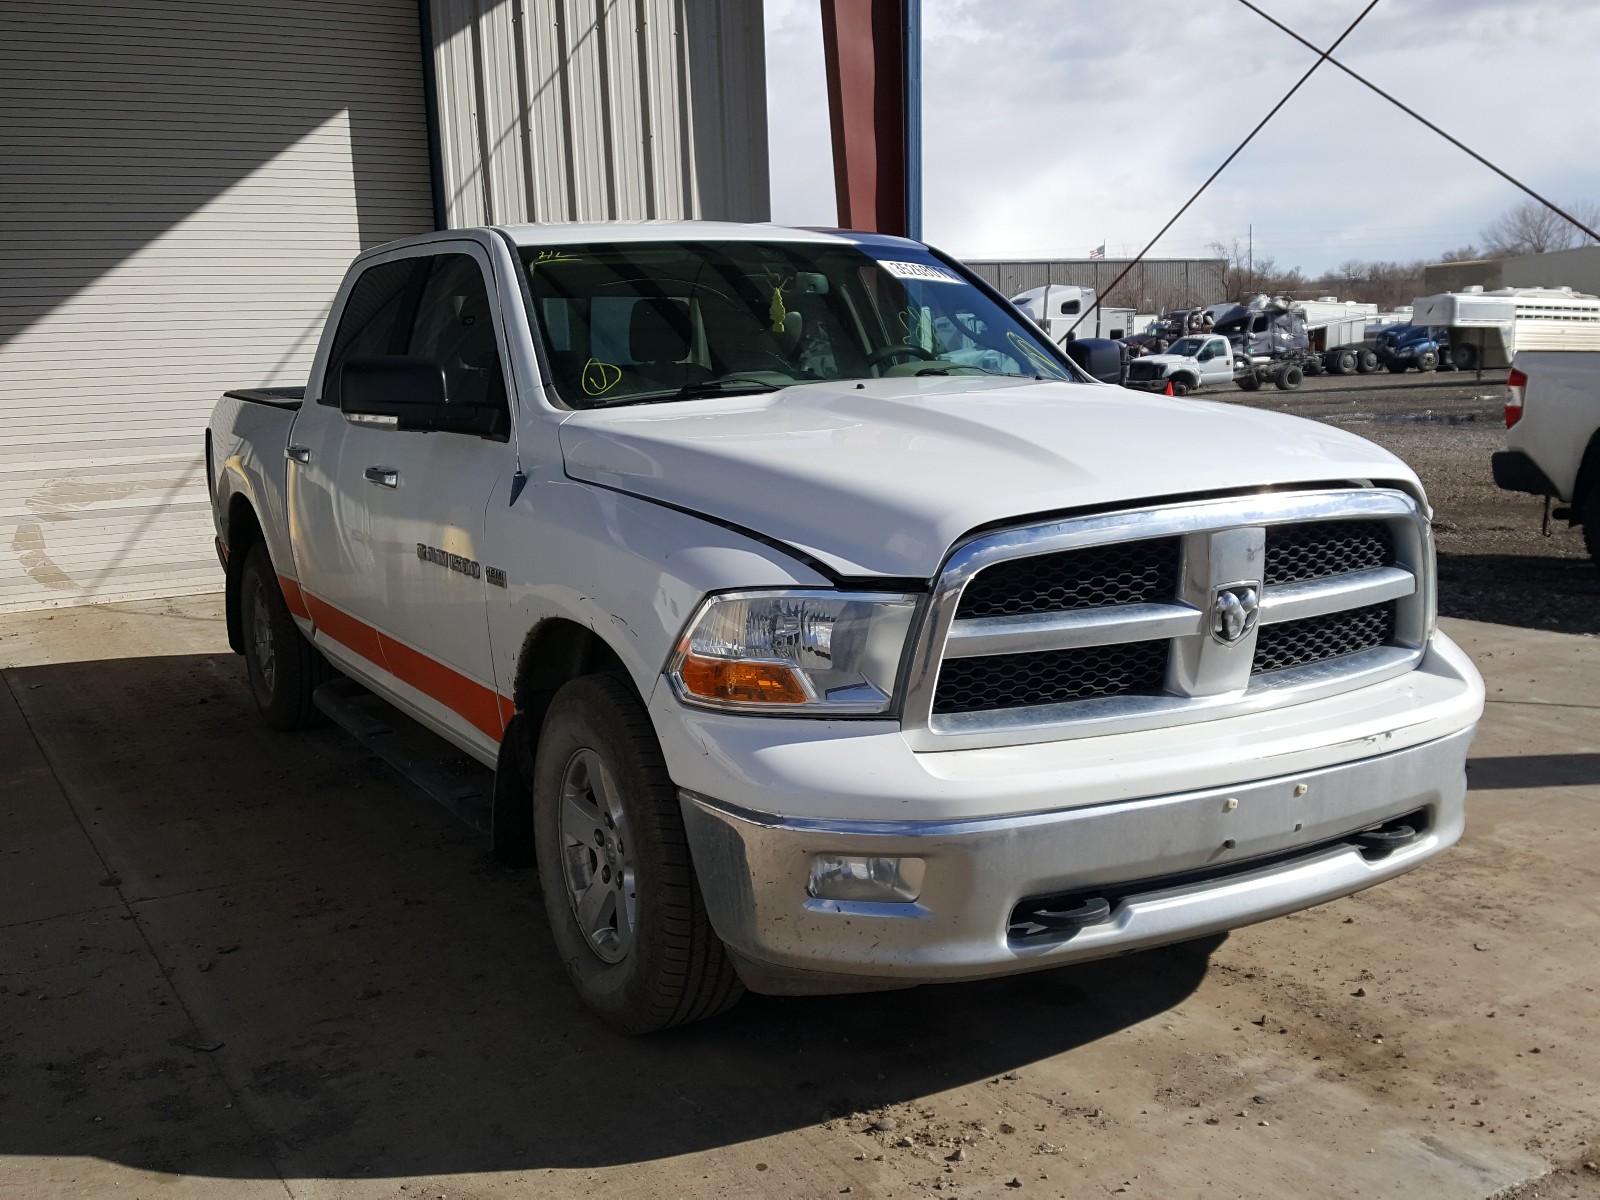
383,476
299,454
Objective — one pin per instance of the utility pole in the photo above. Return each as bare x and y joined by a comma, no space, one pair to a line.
1250,242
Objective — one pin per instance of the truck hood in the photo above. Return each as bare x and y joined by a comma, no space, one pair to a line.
1169,359
883,478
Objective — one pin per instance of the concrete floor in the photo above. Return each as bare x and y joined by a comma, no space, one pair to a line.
239,963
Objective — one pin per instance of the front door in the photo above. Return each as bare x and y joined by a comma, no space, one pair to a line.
426,495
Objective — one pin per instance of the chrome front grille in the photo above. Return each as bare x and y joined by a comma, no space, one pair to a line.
1113,622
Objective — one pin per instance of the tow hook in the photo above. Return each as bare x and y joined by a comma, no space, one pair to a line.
1089,911
1385,838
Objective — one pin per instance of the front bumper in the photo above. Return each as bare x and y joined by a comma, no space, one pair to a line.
1268,847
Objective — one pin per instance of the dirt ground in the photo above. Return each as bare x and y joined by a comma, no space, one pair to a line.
1493,563
238,963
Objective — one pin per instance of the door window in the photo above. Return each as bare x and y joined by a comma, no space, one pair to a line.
455,326
372,320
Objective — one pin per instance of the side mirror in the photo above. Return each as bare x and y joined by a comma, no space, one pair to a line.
1101,358
415,393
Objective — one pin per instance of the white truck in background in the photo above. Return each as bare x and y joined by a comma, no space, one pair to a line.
824,627
1553,436
1063,308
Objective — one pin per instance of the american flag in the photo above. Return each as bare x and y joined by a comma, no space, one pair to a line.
1098,252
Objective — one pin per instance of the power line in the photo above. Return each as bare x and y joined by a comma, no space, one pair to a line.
1322,57
1327,56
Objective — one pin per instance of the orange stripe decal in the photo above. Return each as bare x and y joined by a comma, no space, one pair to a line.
293,598
484,708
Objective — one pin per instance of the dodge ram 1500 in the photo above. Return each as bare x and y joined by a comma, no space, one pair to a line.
825,628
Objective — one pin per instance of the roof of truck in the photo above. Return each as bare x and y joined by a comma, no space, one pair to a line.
567,233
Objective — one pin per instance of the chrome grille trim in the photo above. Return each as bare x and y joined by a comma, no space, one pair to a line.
1223,541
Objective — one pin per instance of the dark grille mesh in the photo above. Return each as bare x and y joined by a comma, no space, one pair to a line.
1323,548
1126,573
1317,639
1144,371
1050,677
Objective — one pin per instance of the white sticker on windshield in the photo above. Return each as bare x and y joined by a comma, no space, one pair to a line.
924,271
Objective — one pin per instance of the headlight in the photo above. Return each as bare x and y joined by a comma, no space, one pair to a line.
821,653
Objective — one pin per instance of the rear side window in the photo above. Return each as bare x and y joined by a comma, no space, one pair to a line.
371,321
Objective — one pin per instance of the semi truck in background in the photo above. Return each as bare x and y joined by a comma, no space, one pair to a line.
1061,308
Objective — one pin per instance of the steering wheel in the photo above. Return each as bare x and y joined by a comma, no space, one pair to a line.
898,350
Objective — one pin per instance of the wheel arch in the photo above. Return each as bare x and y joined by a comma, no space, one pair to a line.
240,532
554,652
1588,476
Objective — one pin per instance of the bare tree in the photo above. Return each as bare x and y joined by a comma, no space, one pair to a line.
1531,228
1466,253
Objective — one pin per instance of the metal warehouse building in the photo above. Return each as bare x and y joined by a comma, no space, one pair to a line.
1154,285
183,183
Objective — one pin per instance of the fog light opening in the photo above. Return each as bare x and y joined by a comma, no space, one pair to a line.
861,878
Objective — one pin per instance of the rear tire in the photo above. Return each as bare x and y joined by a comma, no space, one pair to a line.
284,668
1591,523
619,886
1366,361
1289,378
1249,382
1347,362
1464,356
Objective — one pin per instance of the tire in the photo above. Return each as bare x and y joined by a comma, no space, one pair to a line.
1464,356
1427,361
1180,387
1366,360
1397,366
1347,362
607,824
283,667
1289,378
1312,367
1249,383
1591,523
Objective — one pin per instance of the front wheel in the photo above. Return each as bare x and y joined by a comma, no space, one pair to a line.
284,668
619,887
1397,366
1428,360
1591,523
1179,387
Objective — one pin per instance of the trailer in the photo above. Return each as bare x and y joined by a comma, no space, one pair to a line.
1486,329
1060,308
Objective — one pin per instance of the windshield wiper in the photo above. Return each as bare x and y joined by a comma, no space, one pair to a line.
700,391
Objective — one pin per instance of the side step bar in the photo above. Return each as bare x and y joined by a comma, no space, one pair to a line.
460,784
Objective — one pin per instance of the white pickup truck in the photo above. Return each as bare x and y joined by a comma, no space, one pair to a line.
1189,364
826,630
1553,436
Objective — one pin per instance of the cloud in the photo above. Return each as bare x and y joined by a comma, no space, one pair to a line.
1053,125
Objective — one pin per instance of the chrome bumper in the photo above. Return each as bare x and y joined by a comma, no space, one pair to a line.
754,868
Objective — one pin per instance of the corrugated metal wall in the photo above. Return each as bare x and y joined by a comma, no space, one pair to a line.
1153,285
182,185
594,110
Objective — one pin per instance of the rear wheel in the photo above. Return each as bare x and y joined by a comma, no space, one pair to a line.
1347,362
284,668
1249,382
1288,378
619,887
1366,360
1312,367
1591,523
1464,356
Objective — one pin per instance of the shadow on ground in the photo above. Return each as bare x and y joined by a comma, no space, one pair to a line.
1530,591
240,954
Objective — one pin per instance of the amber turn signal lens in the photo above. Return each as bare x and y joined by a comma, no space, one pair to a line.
749,682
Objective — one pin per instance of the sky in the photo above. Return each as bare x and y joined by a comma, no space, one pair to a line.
1051,126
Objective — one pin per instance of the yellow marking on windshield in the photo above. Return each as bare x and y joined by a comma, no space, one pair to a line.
1036,356
550,256
600,377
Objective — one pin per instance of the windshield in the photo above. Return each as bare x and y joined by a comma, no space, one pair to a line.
1189,346
626,323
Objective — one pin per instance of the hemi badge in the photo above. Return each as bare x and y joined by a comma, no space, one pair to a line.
495,576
